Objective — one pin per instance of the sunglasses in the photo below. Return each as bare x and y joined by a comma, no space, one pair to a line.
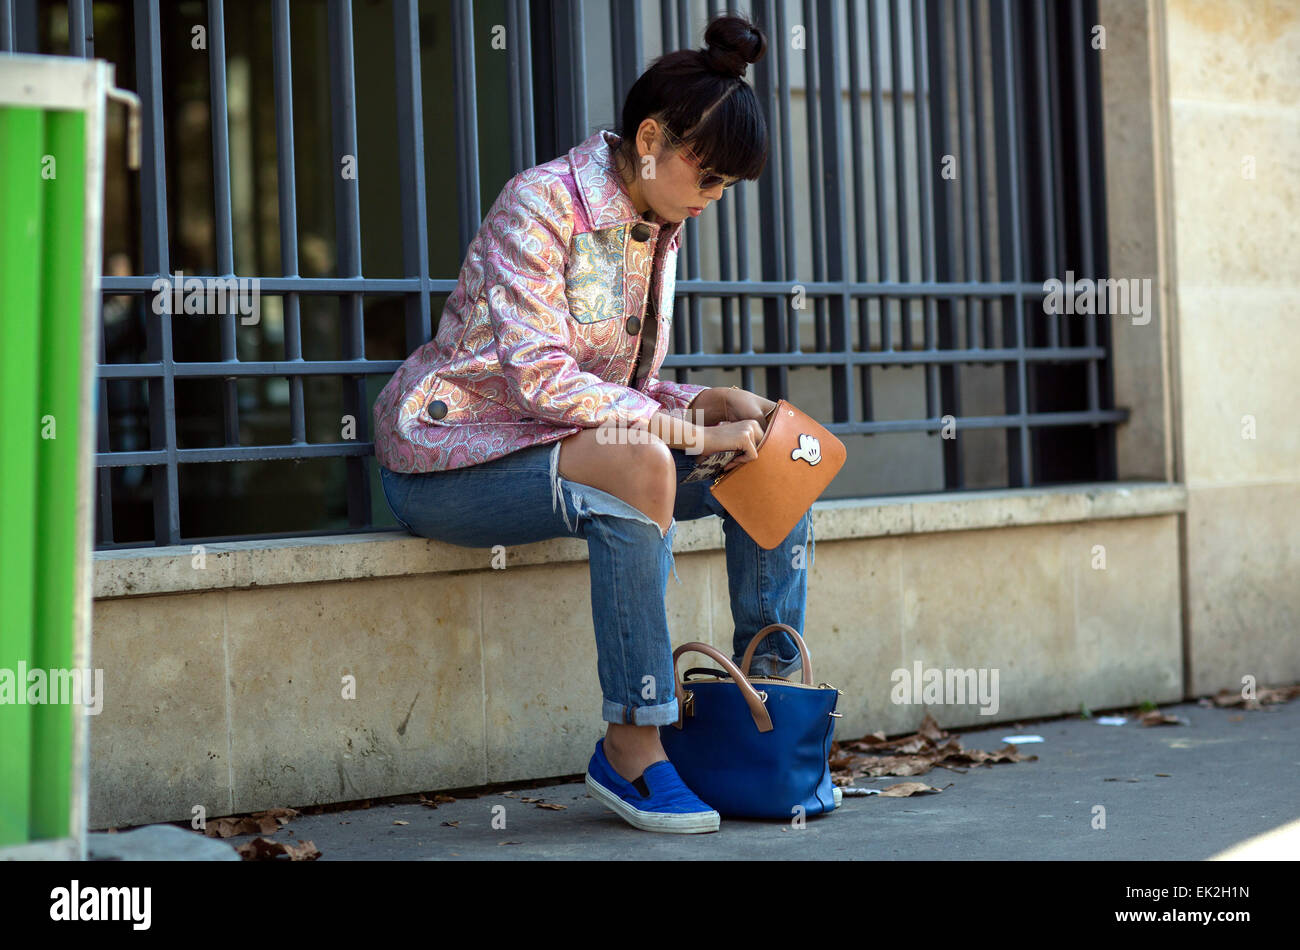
707,179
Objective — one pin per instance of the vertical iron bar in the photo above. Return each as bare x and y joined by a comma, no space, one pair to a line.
463,79
410,160
104,475
1046,146
288,201
1083,161
578,31
816,195
968,165
878,172
925,204
1014,375
691,325
943,229
1058,166
776,239
7,26
983,308
729,198
856,152
865,305
76,28
837,248
1020,138
740,202
900,169
524,47
223,237
1105,449
347,217
156,260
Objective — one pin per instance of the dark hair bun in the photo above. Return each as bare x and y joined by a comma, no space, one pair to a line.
732,43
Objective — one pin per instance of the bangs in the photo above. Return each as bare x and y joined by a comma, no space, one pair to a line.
732,140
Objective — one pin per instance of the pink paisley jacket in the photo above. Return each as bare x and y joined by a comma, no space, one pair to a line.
540,337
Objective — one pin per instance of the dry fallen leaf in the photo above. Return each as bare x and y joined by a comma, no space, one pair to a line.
401,822
302,851
552,806
1264,696
452,824
247,825
930,729
1157,718
264,849
908,789
281,814
851,762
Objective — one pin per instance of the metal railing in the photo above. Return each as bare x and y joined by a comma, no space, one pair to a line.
1010,90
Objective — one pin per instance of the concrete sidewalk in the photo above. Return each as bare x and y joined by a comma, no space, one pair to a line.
1231,776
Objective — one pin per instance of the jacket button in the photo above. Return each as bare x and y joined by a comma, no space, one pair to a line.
640,232
437,409
633,325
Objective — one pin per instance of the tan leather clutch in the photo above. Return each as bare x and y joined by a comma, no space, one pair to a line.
797,458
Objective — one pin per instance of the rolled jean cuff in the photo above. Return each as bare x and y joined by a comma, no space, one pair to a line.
663,714
771,664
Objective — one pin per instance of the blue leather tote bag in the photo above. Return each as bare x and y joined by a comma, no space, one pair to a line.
755,748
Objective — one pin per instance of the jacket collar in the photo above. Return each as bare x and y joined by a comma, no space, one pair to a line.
602,190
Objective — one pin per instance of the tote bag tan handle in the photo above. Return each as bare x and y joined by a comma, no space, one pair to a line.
794,635
756,708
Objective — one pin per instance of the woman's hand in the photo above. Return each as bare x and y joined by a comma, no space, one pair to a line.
742,436
729,404
732,418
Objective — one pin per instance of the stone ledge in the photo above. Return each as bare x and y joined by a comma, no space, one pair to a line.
139,572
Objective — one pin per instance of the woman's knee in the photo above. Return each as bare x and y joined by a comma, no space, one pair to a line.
642,473
651,475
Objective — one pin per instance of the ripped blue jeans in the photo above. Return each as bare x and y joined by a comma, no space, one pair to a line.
520,498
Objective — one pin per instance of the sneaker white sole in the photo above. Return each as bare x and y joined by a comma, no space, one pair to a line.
688,824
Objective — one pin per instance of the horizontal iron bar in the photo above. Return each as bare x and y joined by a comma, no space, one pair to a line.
1033,420
347,449
941,290
890,358
236,453
685,287
298,285
235,369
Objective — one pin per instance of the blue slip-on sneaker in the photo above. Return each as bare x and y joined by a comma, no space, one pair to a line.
656,801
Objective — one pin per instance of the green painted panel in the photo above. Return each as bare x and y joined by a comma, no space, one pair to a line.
22,143
63,189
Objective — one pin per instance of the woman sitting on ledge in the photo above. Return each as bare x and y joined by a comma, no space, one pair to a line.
537,412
